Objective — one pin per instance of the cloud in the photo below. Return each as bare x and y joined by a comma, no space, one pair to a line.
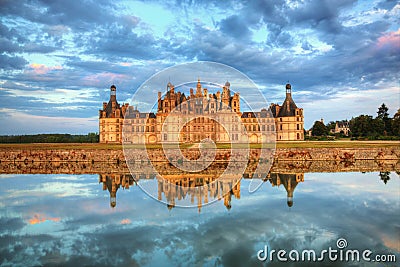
125,221
39,69
12,62
39,218
321,47
390,42
17,122
11,224
235,27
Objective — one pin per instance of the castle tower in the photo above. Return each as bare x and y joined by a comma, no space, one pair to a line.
113,93
289,118
226,94
290,182
110,119
198,88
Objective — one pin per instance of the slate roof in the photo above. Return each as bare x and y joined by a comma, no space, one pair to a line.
288,108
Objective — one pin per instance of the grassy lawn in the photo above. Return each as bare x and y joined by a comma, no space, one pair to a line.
61,146
293,144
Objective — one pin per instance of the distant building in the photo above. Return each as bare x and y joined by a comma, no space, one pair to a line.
198,116
342,127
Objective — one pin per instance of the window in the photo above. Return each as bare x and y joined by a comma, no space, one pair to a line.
281,127
165,137
298,128
212,105
298,136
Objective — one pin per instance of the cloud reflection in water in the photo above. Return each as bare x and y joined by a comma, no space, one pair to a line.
82,229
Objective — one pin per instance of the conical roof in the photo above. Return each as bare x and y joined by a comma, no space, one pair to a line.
288,107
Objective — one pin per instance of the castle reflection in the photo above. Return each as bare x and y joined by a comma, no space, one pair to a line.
112,182
199,189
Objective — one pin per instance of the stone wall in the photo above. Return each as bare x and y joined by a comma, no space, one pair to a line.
116,156
113,161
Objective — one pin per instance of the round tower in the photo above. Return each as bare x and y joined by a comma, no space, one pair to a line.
288,89
113,93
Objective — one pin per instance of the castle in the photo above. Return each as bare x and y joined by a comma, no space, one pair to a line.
200,115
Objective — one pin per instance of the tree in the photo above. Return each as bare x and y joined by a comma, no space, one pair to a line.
383,112
331,125
396,123
384,176
319,129
362,126
383,116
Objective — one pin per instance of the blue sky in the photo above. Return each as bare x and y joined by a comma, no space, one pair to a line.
59,58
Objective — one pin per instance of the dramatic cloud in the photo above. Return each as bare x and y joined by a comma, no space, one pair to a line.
324,48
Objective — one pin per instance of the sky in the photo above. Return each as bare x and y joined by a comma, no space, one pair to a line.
59,58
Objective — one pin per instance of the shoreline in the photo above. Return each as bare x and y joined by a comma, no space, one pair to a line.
279,145
31,153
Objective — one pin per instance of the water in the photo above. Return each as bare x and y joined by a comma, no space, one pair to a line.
67,220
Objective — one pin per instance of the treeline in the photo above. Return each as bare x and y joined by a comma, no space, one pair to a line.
380,127
50,138
364,127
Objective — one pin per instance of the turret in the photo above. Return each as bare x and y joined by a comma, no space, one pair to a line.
198,88
113,93
159,101
288,90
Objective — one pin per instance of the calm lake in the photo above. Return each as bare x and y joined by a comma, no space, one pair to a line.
74,220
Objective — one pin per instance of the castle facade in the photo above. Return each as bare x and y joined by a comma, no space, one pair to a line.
198,116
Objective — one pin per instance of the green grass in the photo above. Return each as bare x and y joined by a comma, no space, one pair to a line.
61,146
293,144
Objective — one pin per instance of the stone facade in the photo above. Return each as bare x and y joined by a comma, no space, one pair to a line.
198,116
111,118
289,119
342,127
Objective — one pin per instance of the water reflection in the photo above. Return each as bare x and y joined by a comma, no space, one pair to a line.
66,220
198,189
